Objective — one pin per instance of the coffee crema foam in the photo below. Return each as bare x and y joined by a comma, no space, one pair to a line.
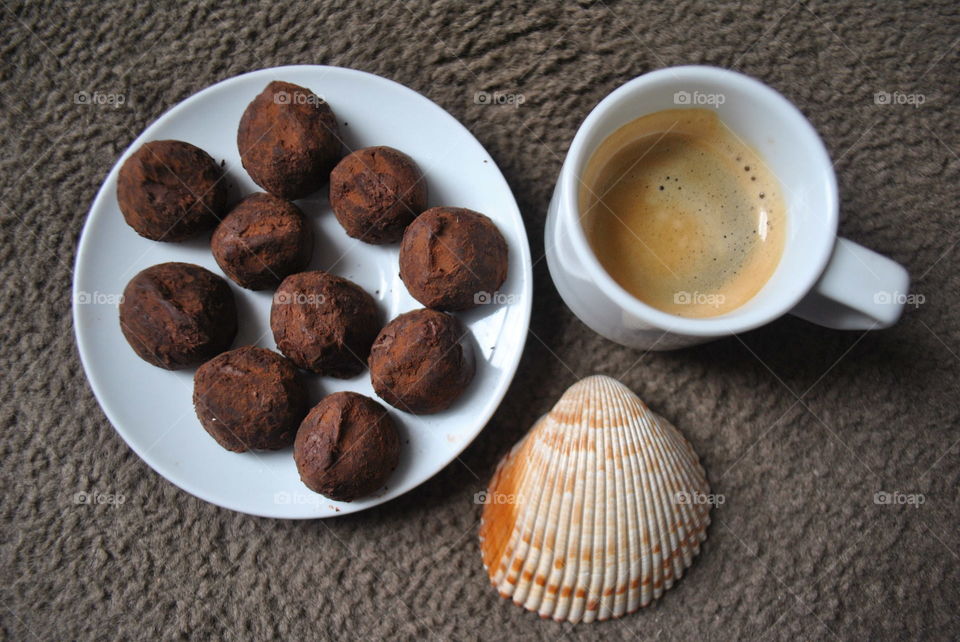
683,214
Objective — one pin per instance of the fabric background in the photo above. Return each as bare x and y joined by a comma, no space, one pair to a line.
797,426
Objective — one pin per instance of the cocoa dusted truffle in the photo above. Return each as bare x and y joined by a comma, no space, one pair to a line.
452,258
169,190
346,447
376,193
262,240
249,399
288,140
178,315
324,323
420,362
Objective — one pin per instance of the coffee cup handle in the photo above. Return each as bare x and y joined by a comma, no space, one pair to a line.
859,290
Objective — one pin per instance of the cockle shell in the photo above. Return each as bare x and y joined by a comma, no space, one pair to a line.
597,511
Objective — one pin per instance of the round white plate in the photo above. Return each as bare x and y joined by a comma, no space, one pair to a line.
152,408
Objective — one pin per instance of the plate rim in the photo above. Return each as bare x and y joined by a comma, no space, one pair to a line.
98,387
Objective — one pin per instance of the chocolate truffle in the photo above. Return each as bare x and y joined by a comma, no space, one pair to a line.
324,323
452,258
178,315
376,193
169,190
262,240
249,399
346,447
420,362
288,140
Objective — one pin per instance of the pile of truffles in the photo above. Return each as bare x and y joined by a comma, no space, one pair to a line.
179,315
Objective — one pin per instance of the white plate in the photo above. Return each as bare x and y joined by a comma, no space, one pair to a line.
152,409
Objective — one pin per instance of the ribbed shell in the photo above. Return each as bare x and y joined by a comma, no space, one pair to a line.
585,518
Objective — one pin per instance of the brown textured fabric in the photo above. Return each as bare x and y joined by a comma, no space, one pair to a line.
797,426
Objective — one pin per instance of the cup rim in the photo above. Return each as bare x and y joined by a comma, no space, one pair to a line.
732,322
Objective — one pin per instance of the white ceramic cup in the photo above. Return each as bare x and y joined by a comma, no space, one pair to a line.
821,278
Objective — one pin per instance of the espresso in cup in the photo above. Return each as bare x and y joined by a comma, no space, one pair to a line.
683,214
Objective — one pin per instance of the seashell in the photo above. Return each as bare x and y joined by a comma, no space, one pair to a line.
597,511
